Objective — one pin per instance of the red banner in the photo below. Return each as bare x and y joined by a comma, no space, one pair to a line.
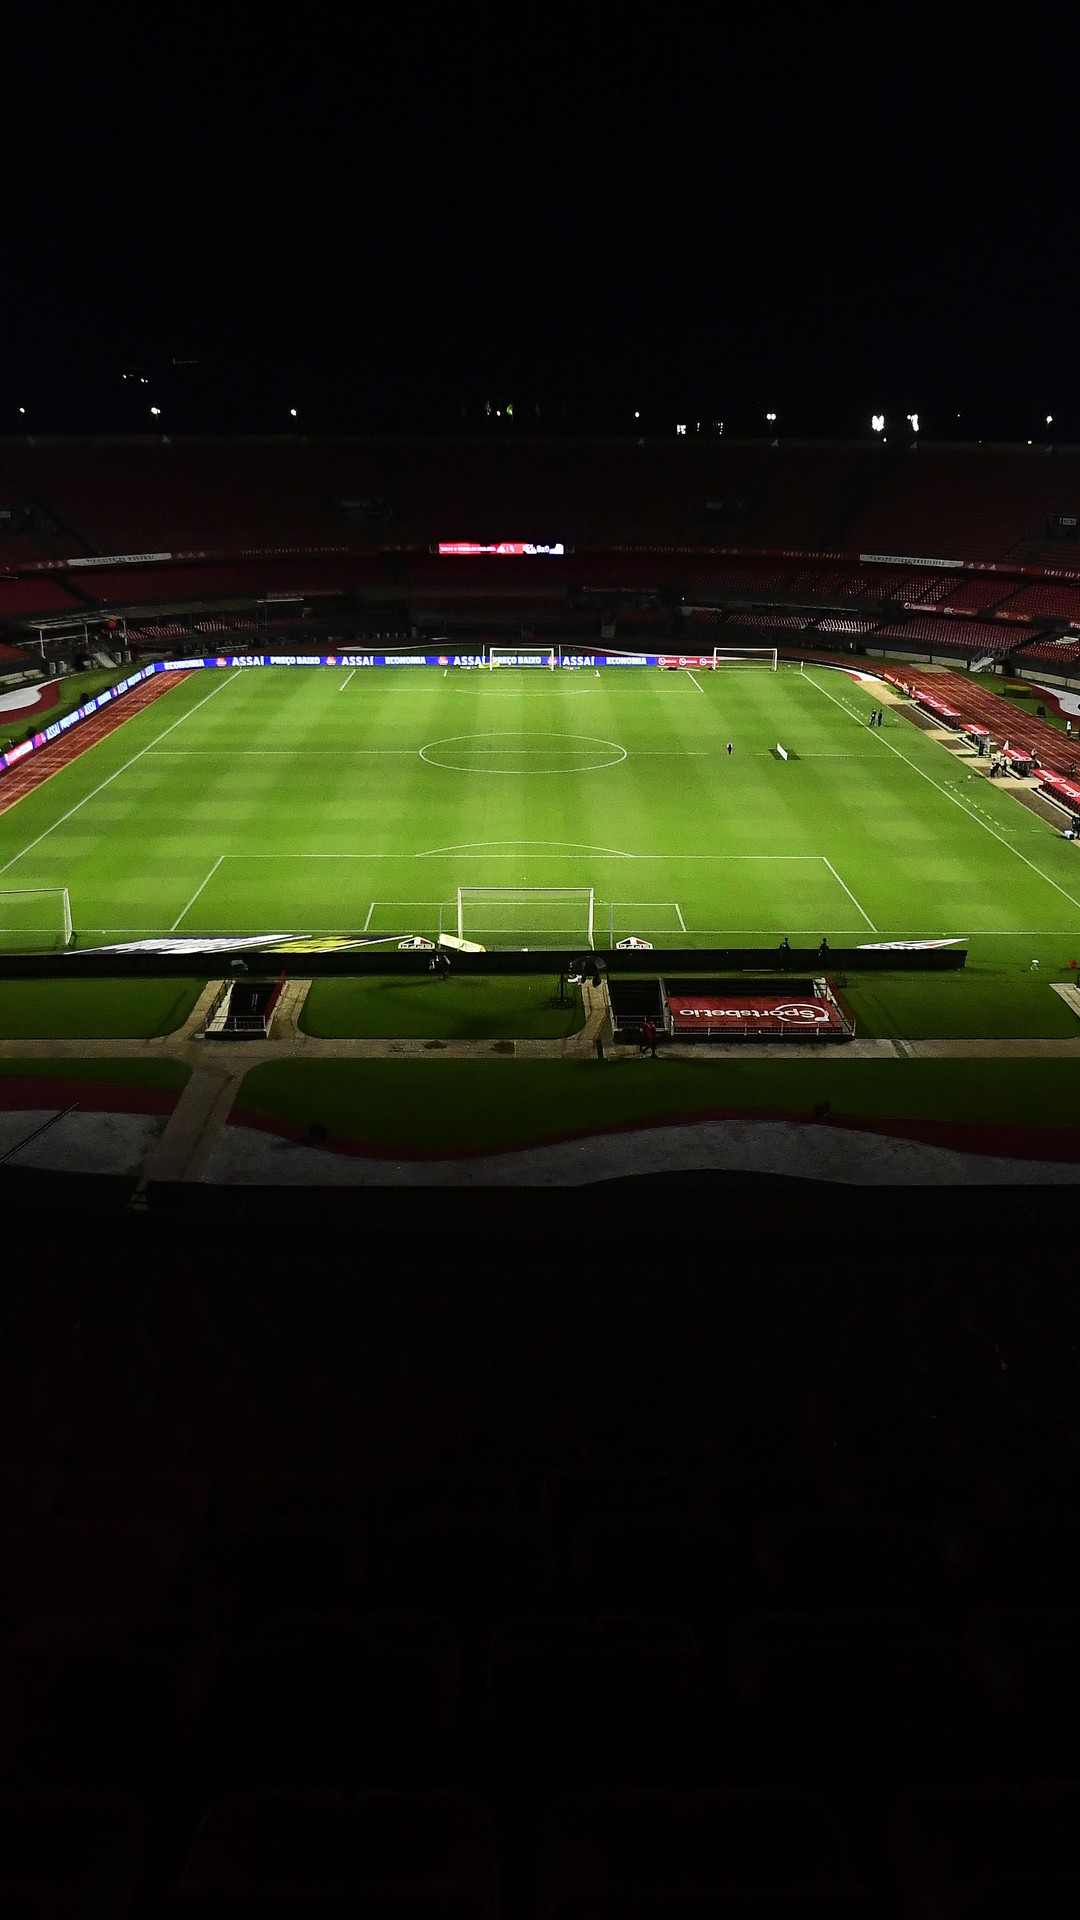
754,1014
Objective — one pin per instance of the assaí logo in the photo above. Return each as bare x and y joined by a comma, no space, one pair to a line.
356,660
467,660
579,660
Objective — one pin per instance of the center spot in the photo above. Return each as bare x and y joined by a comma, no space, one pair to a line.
522,753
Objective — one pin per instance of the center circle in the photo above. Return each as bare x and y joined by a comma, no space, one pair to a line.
522,753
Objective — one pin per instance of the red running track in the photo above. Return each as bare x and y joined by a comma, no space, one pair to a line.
1006,720
37,767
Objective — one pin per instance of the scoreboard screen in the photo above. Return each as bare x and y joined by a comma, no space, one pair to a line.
498,546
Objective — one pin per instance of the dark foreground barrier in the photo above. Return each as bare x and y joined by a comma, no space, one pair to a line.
312,963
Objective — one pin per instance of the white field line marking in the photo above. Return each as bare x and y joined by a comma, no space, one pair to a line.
697,683
678,910
955,798
851,896
440,852
701,933
481,846
115,776
367,922
272,753
346,680
198,890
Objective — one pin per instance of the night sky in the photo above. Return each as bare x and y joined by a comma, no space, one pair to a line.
388,225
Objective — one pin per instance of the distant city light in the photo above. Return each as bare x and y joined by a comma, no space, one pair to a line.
914,419
877,421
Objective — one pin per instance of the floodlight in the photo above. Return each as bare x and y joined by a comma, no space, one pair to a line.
292,413
914,419
155,410
637,416
22,409
1049,419
770,416
681,429
877,421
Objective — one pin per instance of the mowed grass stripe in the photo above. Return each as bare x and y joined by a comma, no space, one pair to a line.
341,775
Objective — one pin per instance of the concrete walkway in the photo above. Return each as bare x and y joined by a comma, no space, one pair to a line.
218,1067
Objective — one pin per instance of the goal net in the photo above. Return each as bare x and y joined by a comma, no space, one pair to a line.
522,657
526,916
745,657
34,919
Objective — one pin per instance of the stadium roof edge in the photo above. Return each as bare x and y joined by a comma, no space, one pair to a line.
515,440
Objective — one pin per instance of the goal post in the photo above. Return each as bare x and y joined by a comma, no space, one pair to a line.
745,657
526,916
34,919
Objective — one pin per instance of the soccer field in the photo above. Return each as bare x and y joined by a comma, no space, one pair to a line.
297,800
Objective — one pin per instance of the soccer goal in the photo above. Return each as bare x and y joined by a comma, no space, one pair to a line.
519,657
34,919
526,916
745,657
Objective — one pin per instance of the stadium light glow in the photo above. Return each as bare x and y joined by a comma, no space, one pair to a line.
22,409
292,413
877,421
914,419
770,416
1049,419
155,410
680,429
637,416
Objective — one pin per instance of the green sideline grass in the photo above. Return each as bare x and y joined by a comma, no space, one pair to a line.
443,1106
308,801
94,1009
514,1008
981,1003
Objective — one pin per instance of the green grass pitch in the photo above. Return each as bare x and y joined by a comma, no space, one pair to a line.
290,800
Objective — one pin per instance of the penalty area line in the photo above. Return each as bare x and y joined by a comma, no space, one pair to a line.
198,890
850,895
346,680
